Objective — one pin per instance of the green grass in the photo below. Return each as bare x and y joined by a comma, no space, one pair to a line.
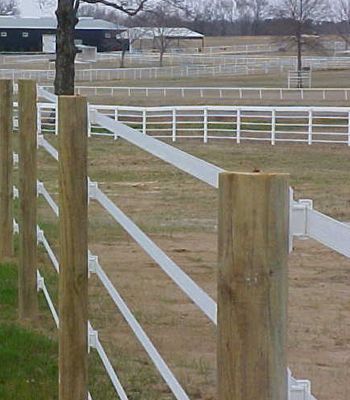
28,367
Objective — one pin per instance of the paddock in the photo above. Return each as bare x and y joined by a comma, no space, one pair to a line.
172,198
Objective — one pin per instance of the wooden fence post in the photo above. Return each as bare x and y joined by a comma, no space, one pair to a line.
27,120
73,277
252,286
6,166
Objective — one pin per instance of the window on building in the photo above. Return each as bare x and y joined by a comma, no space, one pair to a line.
108,35
78,41
25,34
3,34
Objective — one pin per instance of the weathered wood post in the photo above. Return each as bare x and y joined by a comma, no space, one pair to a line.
252,286
27,120
6,166
73,277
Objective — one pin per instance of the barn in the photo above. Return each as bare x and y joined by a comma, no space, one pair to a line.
39,34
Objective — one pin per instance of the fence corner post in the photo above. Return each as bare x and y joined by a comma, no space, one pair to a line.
73,278
6,166
27,275
252,286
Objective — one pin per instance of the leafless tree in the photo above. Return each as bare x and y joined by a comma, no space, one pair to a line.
67,19
8,7
341,16
257,10
299,16
126,39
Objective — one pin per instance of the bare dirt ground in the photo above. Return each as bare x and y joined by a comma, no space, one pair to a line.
179,213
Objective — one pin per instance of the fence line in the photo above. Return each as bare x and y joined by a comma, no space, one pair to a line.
243,123
300,220
210,91
95,193
245,66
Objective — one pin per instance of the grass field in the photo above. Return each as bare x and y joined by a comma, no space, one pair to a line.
179,213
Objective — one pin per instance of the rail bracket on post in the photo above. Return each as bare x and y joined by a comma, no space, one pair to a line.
299,218
92,189
93,263
93,338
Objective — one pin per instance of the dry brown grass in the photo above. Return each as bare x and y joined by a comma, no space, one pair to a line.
179,213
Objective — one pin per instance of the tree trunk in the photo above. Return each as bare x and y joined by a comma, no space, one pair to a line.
300,61
122,60
161,54
65,47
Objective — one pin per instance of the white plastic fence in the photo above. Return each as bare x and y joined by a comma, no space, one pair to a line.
246,123
299,79
304,222
261,93
244,66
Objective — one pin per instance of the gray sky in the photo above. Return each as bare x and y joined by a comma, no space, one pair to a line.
30,8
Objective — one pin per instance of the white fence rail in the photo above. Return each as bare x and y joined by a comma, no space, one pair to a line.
246,123
261,93
240,66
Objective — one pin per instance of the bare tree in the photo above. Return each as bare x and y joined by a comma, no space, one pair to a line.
341,16
162,39
67,19
258,10
8,7
126,39
299,15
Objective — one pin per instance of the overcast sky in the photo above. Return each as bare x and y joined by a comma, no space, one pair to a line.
30,8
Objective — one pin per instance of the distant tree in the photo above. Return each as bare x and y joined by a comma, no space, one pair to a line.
299,16
8,7
341,16
257,10
67,19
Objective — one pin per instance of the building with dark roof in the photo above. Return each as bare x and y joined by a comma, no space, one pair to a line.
39,34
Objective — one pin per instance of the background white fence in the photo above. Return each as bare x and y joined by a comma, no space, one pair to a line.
251,123
259,93
241,66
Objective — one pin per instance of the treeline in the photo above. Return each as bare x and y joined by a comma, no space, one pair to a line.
241,17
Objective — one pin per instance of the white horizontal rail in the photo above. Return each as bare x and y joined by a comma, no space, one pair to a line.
158,361
328,231
196,167
135,326
50,201
97,344
203,301
48,147
239,67
211,91
42,239
41,286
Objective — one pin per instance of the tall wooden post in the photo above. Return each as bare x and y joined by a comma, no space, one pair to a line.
27,119
6,163
252,286
73,277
